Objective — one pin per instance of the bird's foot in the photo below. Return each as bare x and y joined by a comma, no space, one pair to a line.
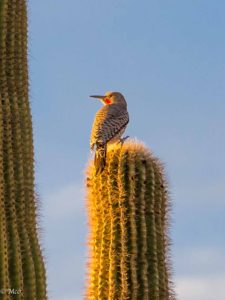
122,140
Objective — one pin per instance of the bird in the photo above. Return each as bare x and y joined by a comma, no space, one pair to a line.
108,127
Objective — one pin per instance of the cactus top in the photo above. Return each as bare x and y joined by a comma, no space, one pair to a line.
128,218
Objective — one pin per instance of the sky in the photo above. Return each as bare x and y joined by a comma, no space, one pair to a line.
167,58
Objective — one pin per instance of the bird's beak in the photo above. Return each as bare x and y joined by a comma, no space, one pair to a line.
98,97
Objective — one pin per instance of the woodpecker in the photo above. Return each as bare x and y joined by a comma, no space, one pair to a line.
108,127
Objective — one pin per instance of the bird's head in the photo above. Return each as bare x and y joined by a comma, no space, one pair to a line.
111,98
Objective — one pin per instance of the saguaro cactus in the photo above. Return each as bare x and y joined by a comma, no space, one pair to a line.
22,272
128,219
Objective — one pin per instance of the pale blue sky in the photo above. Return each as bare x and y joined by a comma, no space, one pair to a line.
168,59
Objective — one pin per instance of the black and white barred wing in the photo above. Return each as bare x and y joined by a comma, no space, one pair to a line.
109,121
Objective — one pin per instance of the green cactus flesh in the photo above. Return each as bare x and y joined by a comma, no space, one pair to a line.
22,272
128,220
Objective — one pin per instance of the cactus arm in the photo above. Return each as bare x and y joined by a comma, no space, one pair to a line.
22,266
4,276
28,166
27,260
15,259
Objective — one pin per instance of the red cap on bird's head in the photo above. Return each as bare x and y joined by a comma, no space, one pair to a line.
111,98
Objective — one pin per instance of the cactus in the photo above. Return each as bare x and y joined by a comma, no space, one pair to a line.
128,220
22,271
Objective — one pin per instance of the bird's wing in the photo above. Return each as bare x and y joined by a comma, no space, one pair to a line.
108,122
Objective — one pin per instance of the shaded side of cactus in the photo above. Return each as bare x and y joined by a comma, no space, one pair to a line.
22,271
128,227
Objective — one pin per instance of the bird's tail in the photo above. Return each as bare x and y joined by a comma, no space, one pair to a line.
100,159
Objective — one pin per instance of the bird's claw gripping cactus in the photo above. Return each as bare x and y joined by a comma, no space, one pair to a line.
122,140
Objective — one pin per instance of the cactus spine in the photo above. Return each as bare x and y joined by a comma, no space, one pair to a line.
128,218
22,272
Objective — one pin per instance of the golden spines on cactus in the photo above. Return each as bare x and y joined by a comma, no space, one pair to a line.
22,268
128,223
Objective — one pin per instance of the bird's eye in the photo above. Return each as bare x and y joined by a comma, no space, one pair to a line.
110,96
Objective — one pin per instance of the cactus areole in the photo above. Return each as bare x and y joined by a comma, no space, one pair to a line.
128,227
22,272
